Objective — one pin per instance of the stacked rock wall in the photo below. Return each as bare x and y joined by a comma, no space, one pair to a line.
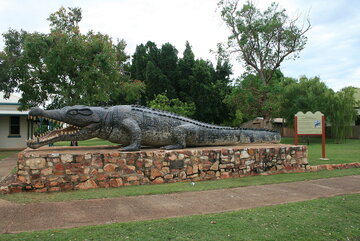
76,168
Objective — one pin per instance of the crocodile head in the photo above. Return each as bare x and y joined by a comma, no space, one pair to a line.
75,122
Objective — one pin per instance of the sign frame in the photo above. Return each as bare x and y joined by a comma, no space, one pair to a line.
322,134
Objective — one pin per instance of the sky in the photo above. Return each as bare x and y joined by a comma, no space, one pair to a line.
332,51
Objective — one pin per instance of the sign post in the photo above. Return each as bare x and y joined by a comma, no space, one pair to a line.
310,124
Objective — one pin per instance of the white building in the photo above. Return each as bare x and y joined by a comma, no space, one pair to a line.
14,125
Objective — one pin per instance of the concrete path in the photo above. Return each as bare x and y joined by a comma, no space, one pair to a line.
39,216
6,165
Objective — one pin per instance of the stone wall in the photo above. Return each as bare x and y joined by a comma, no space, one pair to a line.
55,169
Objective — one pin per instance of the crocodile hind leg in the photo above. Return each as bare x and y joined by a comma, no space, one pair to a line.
179,137
134,131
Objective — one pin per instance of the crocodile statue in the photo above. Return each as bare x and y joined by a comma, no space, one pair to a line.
135,126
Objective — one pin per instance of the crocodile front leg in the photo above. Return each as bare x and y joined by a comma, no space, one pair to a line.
132,127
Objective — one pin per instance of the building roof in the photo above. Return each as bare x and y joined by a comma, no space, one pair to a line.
13,100
13,112
278,120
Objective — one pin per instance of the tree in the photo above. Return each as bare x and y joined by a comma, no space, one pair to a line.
63,67
221,88
143,54
262,40
305,94
313,95
156,82
199,82
168,61
135,89
157,68
10,59
200,91
185,70
173,105
342,113
191,81
139,62
251,98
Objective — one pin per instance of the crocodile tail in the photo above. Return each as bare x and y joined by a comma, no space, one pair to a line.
259,136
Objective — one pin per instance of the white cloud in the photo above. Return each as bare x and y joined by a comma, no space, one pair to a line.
333,46
159,21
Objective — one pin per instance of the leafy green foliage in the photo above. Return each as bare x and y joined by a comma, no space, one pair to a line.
304,95
63,67
251,98
134,90
284,97
162,102
189,80
313,95
168,61
157,68
342,113
64,21
185,68
206,86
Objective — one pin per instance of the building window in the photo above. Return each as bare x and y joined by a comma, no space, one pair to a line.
14,125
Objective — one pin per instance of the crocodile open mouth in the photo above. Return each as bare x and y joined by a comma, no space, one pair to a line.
61,129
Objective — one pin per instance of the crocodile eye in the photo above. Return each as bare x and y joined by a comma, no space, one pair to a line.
72,112
85,112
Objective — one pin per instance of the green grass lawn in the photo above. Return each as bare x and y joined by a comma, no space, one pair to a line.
335,218
347,152
27,197
91,142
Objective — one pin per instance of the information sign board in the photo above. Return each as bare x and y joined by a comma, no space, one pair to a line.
310,124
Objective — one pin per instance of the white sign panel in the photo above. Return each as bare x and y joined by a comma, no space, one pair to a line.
309,123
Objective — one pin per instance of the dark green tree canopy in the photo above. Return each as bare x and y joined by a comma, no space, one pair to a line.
63,67
190,80
251,98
